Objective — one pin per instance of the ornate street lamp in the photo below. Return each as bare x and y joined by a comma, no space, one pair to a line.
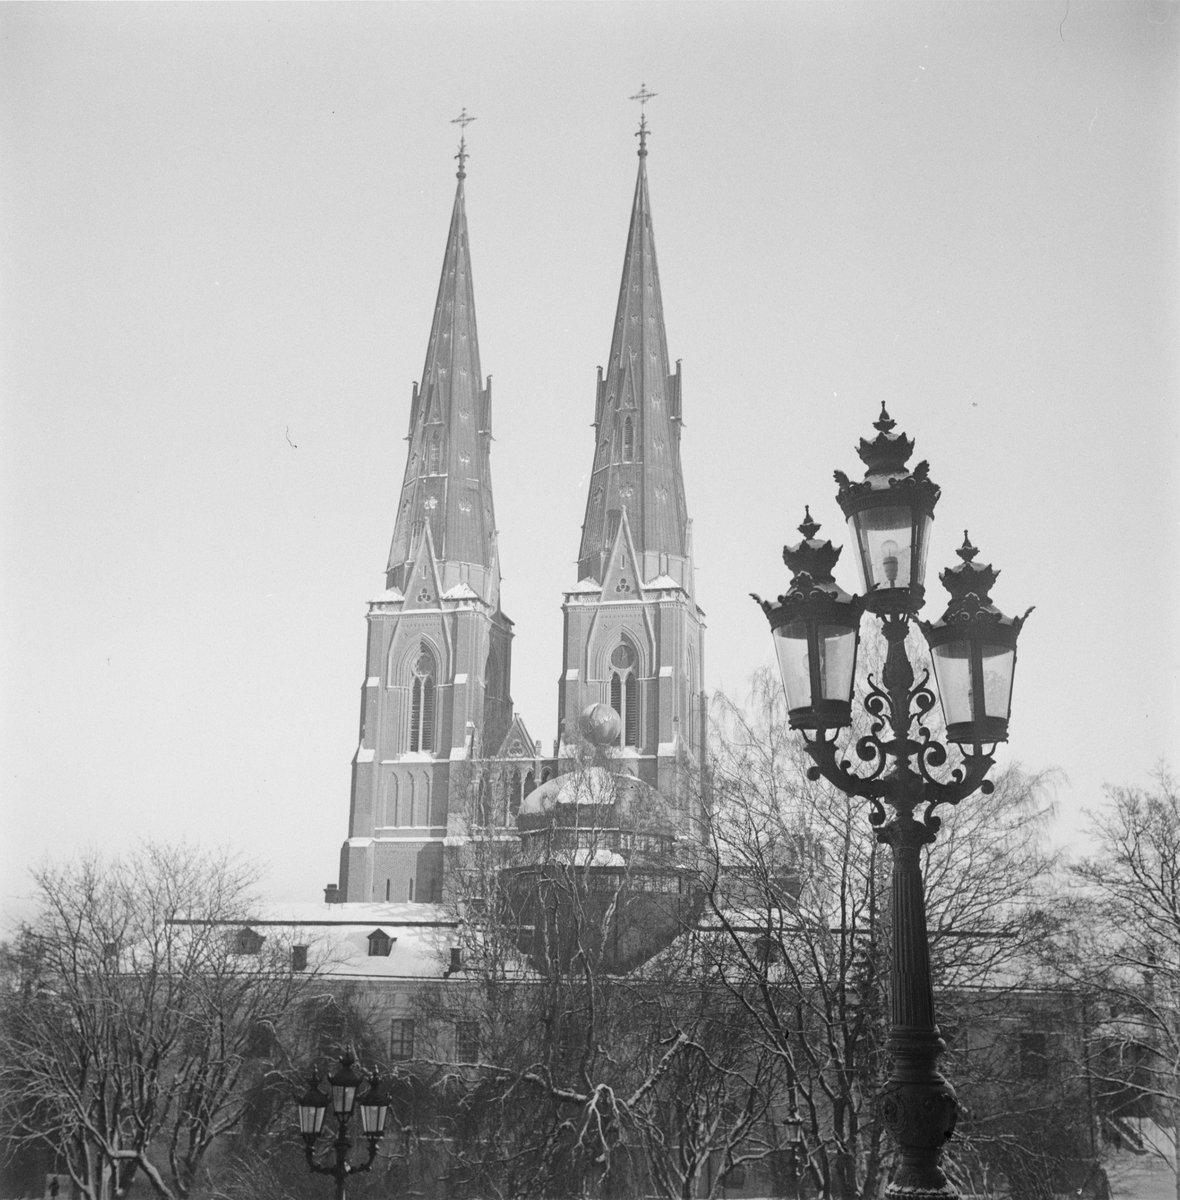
974,652
374,1108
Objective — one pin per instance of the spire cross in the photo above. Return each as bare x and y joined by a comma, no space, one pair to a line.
643,96
462,120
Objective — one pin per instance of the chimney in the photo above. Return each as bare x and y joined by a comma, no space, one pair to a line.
332,894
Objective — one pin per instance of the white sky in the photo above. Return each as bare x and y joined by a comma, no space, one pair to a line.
222,228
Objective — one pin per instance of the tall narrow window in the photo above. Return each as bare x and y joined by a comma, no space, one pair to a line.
401,1039
631,717
467,1041
422,703
435,453
624,692
628,440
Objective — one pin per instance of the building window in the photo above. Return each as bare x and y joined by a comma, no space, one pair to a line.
1034,1059
401,1039
435,454
380,944
298,958
628,440
422,703
467,1041
624,692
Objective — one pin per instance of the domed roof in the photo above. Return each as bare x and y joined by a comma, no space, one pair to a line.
636,804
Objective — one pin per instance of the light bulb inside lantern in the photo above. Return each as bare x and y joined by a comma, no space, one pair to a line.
889,561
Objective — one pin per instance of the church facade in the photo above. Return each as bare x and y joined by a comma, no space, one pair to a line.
436,709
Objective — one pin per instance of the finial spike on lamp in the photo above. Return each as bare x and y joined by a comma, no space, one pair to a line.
808,528
966,551
884,422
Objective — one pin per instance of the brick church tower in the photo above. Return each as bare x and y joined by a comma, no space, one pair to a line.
634,636
437,685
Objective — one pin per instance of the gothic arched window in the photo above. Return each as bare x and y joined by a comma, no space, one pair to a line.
624,692
422,703
628,440
435,453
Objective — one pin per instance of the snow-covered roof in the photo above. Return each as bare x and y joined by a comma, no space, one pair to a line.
583,585
389,596
663,581
337,937
461,591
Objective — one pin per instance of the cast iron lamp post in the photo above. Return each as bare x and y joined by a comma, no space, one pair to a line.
816,628
374,1108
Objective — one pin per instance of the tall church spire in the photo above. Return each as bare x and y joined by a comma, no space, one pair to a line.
448,484
637,418
438,664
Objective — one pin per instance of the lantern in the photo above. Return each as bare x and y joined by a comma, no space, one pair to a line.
973,647
374,1106
793,1129
889,513
816,628
344,1084
312,1106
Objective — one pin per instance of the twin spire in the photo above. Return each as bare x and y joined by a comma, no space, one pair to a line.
446,495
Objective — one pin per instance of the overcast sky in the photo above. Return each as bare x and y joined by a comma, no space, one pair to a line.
222,230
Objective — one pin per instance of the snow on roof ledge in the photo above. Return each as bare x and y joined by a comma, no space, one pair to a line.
663,581
389,596
584,585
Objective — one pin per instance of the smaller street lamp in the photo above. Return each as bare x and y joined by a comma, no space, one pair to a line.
793,1132
374,1106
344,1083
312,1106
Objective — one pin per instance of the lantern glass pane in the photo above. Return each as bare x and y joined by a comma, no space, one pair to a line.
790,644
343,1099
837,661
373,1118
883,536
998,665
923,521
952,671
311,1118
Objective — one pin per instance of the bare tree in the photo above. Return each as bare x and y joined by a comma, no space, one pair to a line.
136,1013
589,1056
1125,950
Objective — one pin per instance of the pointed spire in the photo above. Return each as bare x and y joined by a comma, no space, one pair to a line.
447,485
637,418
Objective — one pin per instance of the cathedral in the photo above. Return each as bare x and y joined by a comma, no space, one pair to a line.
436,710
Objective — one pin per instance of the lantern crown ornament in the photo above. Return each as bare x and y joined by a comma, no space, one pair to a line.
889,514
973,647
888,452
816,627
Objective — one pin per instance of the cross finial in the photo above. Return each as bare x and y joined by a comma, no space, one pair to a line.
462,120
643,96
